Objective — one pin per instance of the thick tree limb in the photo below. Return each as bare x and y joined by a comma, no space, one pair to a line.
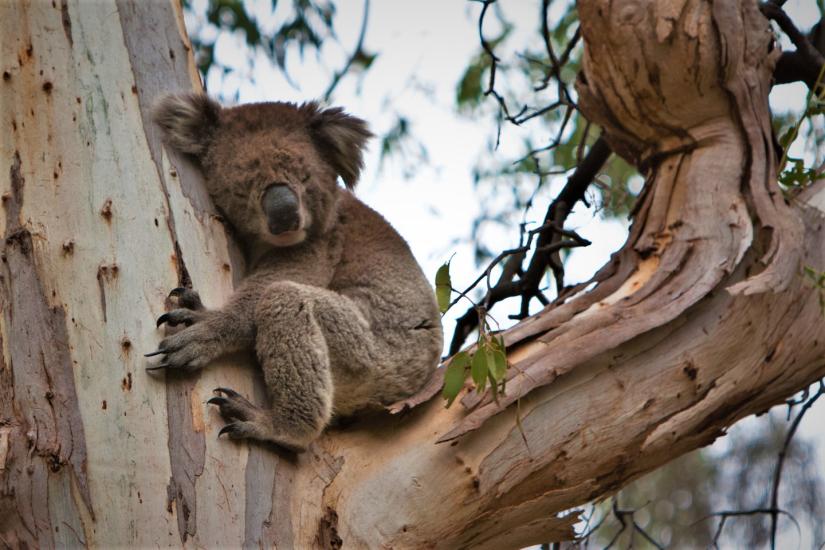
701,212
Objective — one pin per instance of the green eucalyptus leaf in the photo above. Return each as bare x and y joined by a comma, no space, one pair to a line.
470,92
443,287
363,60
454,376
787,138
498,366
490,358
796,175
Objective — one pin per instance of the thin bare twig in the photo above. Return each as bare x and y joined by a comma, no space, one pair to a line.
622,516
515,281
777,476
355,53
725,514
774,511
494,60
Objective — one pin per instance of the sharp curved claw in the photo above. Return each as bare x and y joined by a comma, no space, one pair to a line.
217,401
177,291
153,353
158,367
162,319
226,429
227,391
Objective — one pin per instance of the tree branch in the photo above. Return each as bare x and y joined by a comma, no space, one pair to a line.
355,53
512,281
804,64
777,476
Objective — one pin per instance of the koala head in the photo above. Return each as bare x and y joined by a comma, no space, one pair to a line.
270,168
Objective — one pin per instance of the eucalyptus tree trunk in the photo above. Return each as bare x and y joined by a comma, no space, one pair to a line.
702,318
98,225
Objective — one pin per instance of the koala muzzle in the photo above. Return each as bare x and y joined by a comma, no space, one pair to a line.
282,209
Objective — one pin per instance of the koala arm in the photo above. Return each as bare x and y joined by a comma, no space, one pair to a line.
232,327
210,334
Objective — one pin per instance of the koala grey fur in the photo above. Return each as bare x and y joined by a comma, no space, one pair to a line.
335,307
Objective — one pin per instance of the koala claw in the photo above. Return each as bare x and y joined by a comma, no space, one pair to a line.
234,431
187,298
227,391
241,430
158,367
190,349
234,406
176,317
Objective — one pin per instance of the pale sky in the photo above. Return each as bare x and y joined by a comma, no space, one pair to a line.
423,47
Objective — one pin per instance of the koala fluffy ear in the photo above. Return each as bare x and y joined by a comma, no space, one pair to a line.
186,120
340,138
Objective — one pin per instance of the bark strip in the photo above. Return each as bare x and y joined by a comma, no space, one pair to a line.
150,67
268,484
38,379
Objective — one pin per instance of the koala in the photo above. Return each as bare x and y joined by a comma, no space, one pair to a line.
335,308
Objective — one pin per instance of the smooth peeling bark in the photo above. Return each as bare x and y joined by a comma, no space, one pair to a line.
98,225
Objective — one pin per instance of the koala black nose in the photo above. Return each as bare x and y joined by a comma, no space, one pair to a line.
281,207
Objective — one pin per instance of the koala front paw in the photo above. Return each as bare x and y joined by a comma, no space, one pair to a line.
190,349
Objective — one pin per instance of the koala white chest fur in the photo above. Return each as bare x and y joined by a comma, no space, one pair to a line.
335,307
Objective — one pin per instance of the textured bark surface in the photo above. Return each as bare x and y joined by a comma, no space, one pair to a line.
99,224
701,319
